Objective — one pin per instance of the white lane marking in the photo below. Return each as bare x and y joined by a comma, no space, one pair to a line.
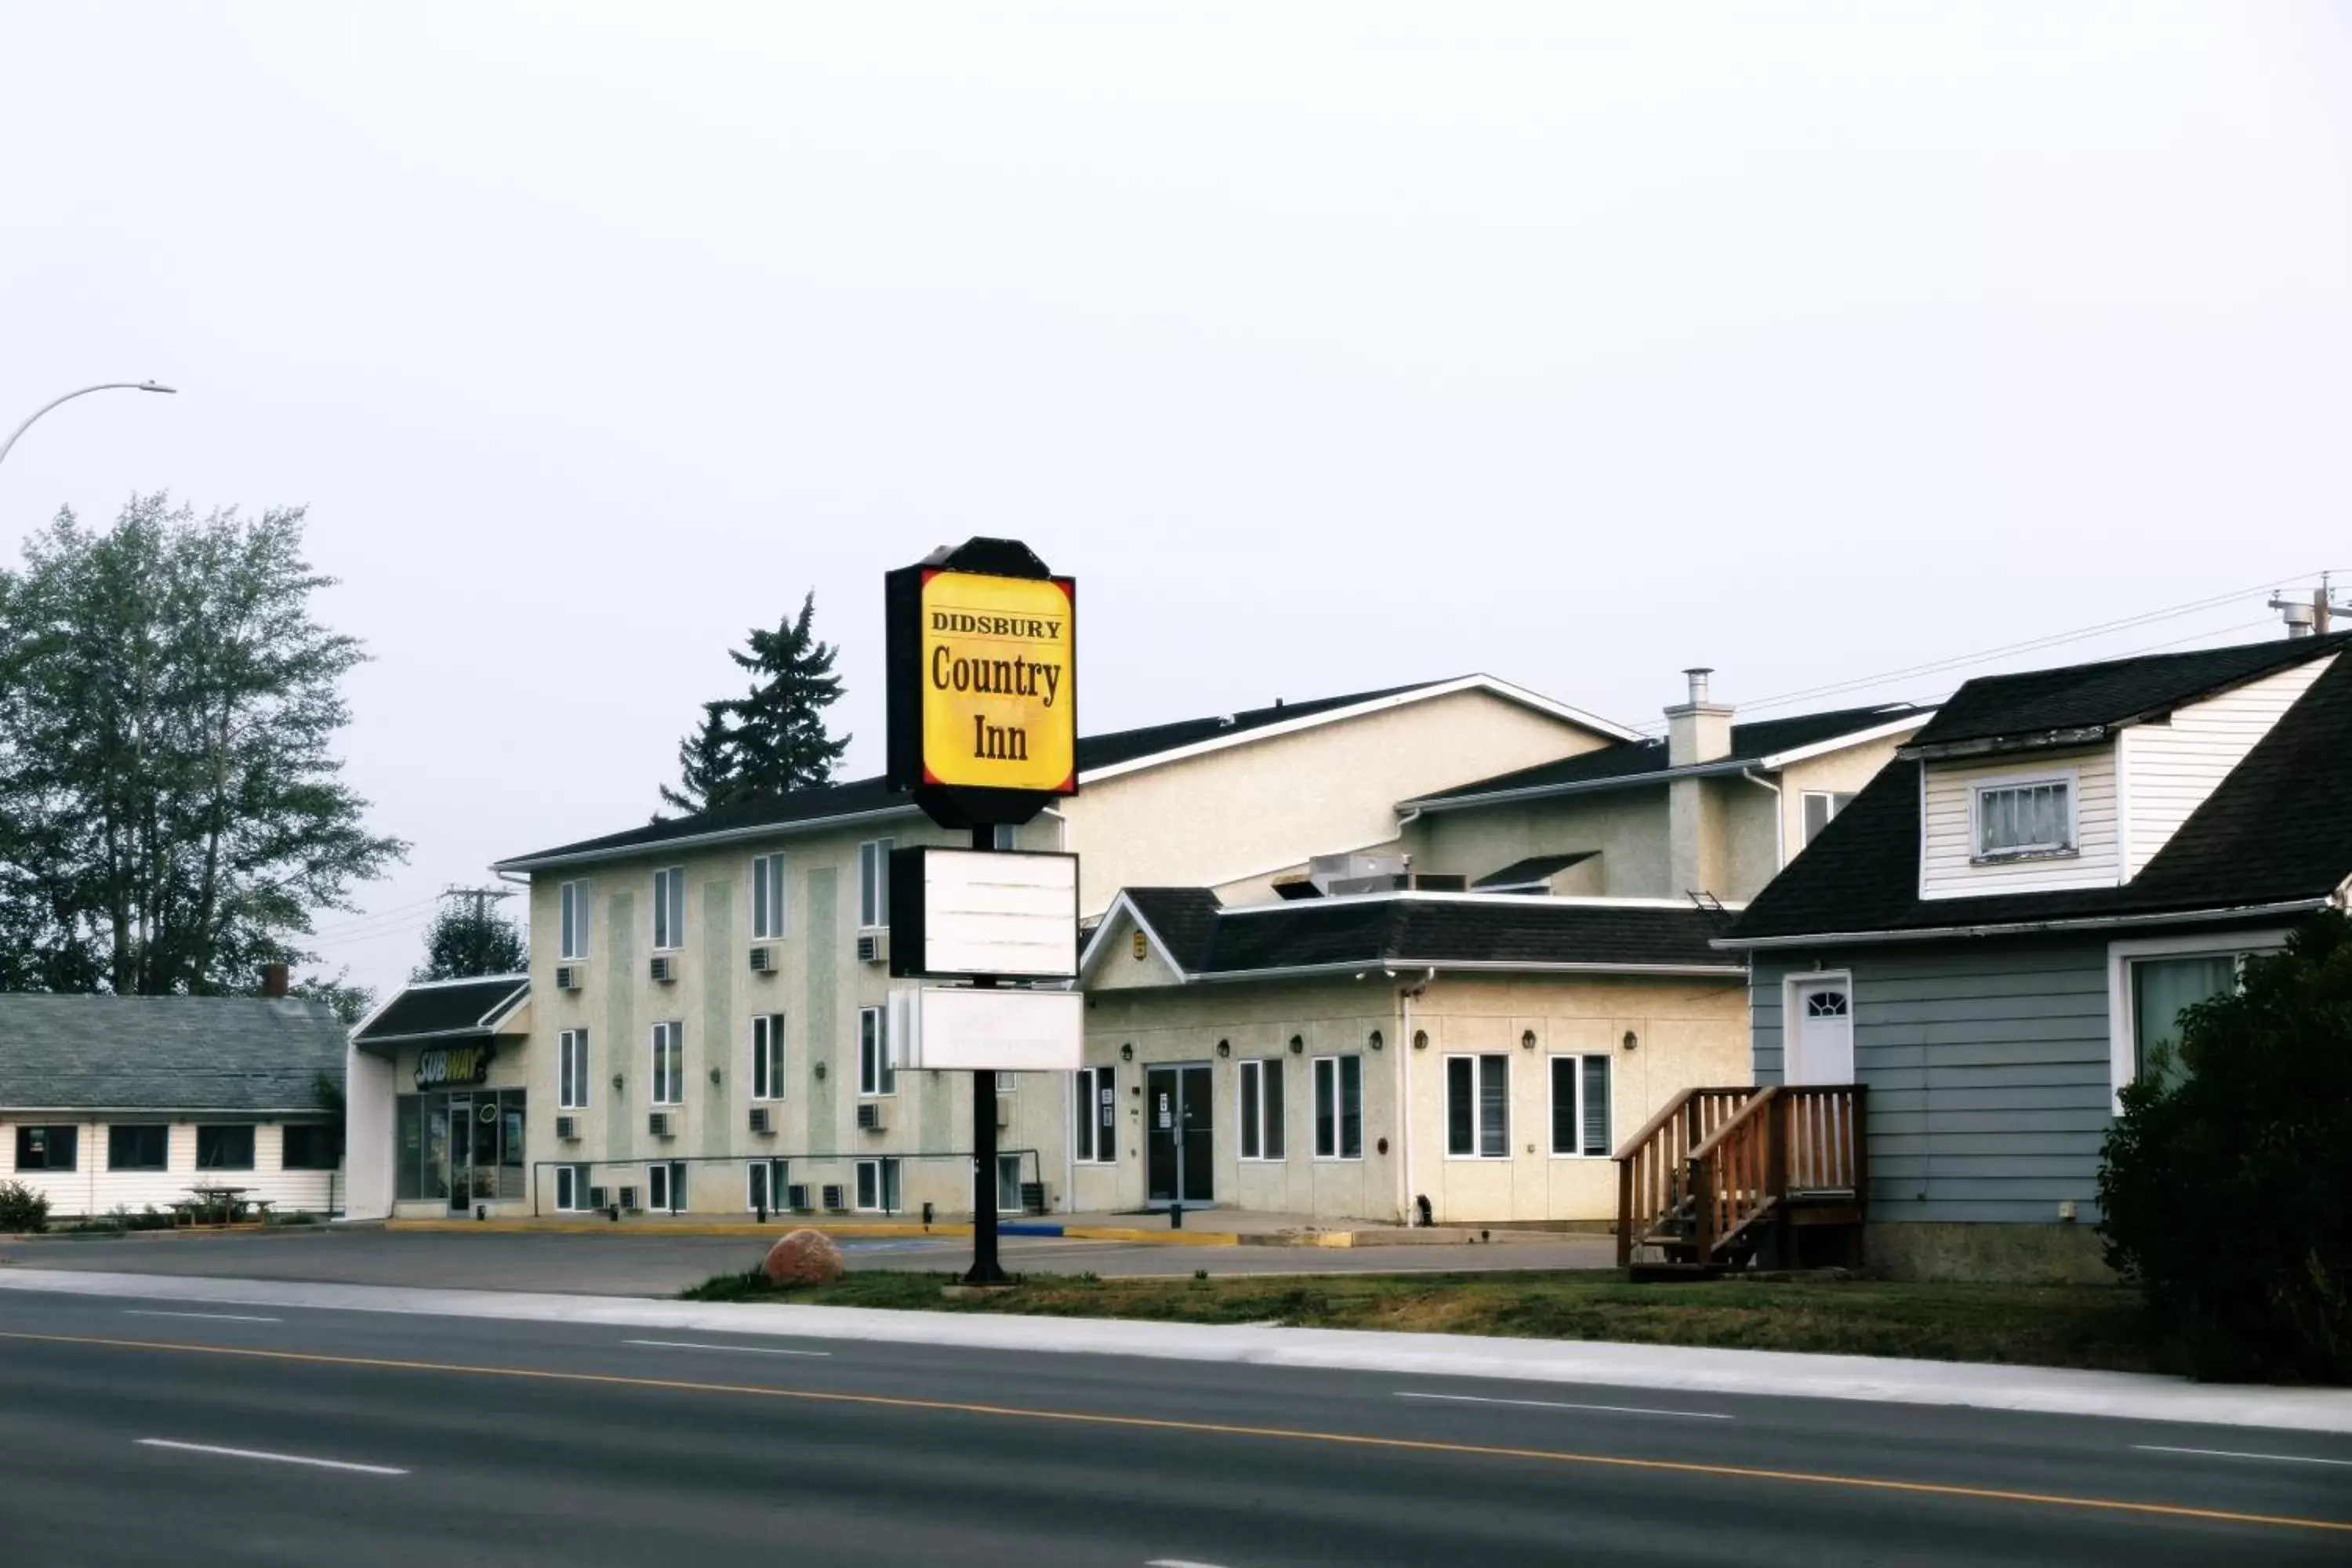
1562,1405
747,1350
210,1317
1177,1563
273,1459
2233,1454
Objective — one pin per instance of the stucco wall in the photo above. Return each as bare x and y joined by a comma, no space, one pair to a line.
1627,827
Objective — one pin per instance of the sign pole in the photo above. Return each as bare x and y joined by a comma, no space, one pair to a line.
985,1269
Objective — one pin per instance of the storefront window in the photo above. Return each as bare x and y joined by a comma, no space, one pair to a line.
461,1146
408,1149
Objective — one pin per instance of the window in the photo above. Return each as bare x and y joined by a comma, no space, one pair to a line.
1261,1109
669,907
144,1147
1094,1115
877,1186
571,1187
312,1146
1339,1108
2162,990
225,1148
1819,805
1579,1106
2023,817
1005,836
767,897
877,1073
1478,1107
665,1186
768,1056
764,1185
669,1064
571,1070
46,1148
574,897
873,883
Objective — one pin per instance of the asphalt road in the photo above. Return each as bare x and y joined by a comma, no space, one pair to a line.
646,1263
164,1433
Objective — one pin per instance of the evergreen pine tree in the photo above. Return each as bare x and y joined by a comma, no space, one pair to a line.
772,740
707,765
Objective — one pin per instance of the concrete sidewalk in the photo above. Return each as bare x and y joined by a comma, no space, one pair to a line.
1768,1374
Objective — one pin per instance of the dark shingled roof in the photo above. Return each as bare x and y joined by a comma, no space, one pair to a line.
858,796
457,1008
1183,919
2039,704
166,1053
1534,869
2277,830
1631,761
1408,929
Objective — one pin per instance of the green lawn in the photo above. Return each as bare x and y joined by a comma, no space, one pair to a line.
2093,1326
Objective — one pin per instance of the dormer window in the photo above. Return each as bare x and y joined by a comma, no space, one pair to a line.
2017,818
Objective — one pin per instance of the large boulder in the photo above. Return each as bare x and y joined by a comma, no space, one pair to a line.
802,1257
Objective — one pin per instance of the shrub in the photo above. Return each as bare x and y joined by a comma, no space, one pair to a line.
2223,1187
22,1208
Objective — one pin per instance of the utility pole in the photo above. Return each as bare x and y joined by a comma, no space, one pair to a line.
479,928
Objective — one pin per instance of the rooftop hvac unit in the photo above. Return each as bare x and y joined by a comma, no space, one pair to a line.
597,1197
796,1197
759,1120
869,1118
833,1201
629,1199
664,968
1336,875
874,947
568,976
567,1129
763,961
658,1124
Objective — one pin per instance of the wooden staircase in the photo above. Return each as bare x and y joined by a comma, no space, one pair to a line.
1725,1177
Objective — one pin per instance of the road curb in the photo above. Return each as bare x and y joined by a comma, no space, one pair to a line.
852,1230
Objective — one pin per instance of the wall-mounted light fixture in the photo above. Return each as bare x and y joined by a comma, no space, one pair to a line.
1224,1048
714,1075
617,1081
1127,1052
1526,1040
1420,1039
1374,1040
1631,1040
1298,1045
820,1071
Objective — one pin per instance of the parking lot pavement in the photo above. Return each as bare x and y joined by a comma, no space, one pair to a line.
643,1263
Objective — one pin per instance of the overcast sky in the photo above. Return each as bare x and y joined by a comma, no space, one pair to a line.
1329,347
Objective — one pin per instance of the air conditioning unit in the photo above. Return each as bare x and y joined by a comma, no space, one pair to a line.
567,1129
658,1124
796,1197
759,1120
869,1118
1003,1114
568,976
833,1200
664,968
874,947
629,1199
763,959
597,1198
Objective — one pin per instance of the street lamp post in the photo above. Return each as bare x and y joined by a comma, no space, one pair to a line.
101,386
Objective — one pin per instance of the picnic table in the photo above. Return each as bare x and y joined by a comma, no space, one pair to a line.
209,1203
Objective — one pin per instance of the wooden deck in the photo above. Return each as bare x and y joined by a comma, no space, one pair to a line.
1725,1178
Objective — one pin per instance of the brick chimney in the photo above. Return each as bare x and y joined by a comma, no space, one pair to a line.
273,981
1697,730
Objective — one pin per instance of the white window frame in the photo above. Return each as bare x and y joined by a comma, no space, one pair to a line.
877,1065
1477,1102
874,884
1979,788
672,1030
572,920
669,909
1576,1111
1095,1080
886,1175
572,1070
767,1057
1254,1067
576,1176
673,1180
1838,799
1339,1154
2123,1045
770,909
773,1175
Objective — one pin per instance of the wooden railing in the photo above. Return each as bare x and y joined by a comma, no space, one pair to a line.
1652,1166
1758,1149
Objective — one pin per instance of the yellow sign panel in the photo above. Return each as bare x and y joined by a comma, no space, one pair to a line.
1000,693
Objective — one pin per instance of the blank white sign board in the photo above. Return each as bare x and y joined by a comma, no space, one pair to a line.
946,1029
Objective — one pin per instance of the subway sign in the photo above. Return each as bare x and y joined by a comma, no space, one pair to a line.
450,1066
983,657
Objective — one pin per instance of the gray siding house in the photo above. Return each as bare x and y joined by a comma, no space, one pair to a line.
2001,930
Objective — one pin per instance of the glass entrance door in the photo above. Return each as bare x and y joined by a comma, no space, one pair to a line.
461,1156
1179,1136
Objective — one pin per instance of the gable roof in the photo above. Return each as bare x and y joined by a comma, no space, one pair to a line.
1765,743
2082,702
164,1054
444,1009
2276,834
1417,929
1098,756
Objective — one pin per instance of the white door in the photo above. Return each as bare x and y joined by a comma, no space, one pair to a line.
1820,1033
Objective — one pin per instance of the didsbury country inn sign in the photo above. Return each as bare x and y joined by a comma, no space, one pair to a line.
982,649
448,1067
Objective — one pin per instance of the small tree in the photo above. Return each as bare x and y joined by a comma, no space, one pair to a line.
469,937
708,765
2223,1190
772,740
